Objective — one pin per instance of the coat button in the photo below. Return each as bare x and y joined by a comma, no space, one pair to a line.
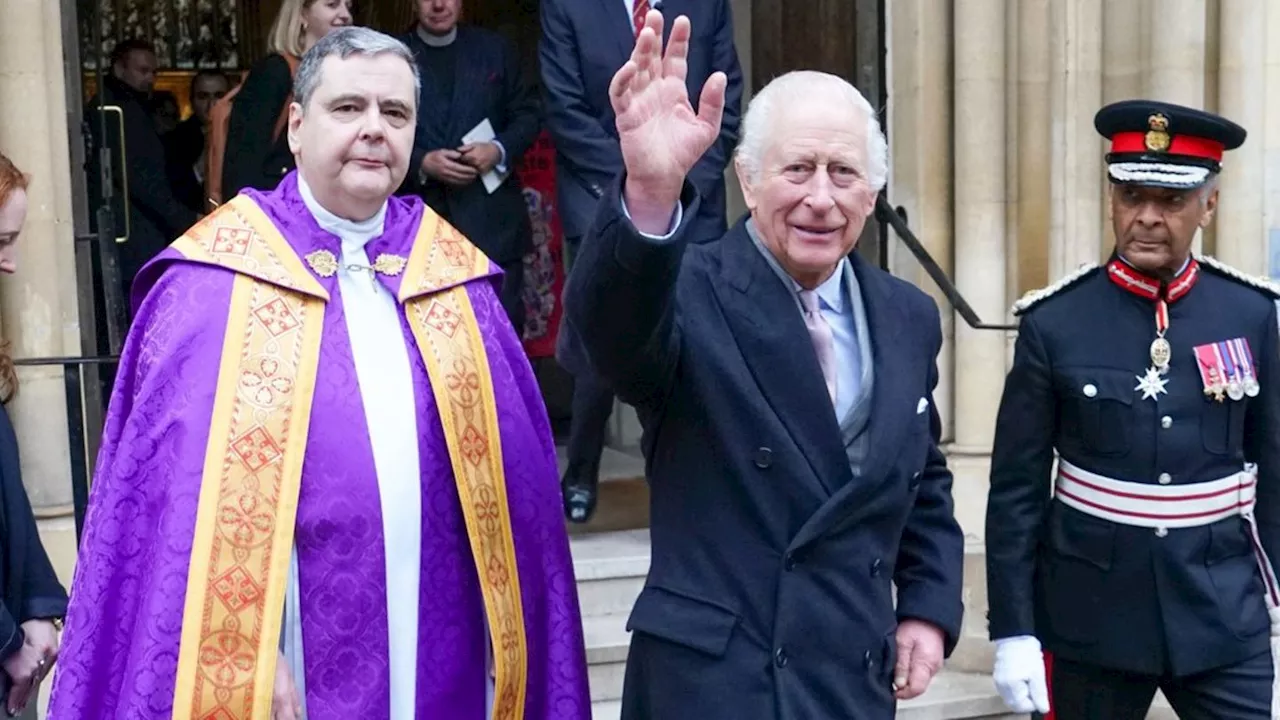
875,567
1090,390
780,658
764,458
789,562
867,661
1164,479
1166,422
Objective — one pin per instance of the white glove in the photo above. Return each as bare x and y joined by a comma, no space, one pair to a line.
1019,674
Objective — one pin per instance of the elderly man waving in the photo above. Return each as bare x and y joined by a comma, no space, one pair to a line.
785,388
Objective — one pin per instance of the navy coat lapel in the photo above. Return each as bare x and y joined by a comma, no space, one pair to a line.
613,16
893,401
772,338
465,85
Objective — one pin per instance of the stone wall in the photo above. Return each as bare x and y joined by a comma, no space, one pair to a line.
38,310
995,159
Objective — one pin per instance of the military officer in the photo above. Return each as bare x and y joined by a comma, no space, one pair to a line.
1140,560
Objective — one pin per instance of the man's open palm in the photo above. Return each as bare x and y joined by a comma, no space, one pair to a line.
660,135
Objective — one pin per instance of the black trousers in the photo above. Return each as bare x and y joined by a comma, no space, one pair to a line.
592,406
512,294
1237,692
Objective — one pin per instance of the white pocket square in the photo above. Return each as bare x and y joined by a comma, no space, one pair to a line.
922,406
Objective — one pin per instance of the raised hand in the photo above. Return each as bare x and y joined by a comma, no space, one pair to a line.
660,135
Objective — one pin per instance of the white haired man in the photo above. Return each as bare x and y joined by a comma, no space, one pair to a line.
327,477
785,388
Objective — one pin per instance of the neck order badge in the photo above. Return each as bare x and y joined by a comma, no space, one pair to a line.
1153,383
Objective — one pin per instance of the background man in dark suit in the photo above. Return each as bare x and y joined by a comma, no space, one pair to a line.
184,147
471,75
156,217
785,387
584,42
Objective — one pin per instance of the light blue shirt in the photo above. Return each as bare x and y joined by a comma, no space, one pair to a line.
837,309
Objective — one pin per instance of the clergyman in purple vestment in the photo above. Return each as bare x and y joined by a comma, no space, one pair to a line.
378,609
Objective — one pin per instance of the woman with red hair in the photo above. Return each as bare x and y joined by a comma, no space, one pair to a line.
32,600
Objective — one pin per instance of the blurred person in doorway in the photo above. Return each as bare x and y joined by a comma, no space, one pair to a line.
184,147
165,111
479,114
584,42
257,148
155,215
33,600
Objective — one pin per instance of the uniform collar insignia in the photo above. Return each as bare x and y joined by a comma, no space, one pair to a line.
1147,286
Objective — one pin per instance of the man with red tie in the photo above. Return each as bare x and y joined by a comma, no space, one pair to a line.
584,42
1142,560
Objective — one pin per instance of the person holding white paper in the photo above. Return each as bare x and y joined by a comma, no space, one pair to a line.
479,115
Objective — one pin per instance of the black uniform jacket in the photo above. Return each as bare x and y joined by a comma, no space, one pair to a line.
1142,599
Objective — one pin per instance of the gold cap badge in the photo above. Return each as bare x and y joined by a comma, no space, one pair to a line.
1157,138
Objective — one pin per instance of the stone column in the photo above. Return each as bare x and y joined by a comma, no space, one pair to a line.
919,77
1270,144
980,147
1035,149
1242,89
1176,59
1124,71
1076,164
38,311
1176,55
37,305
1013,259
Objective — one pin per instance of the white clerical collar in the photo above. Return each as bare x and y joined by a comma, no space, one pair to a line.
444,40
348,230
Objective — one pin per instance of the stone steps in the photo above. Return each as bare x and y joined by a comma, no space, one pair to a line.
611,568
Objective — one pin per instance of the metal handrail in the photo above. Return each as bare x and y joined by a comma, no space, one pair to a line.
887,215
73,385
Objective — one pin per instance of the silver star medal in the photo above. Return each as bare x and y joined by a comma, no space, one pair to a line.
1152,384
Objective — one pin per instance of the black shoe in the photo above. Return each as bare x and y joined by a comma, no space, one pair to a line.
579,499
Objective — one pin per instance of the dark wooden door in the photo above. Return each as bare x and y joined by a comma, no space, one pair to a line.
841,37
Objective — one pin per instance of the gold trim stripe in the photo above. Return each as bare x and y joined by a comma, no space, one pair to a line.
441,258
239,236
249,487
448,335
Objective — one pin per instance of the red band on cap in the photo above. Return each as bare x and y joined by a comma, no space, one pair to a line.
1136,142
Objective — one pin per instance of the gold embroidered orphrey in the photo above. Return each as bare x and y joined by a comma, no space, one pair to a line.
253,463
1157,137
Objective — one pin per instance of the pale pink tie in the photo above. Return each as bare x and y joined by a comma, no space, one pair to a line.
823,341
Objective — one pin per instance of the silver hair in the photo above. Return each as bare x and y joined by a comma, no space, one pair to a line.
345,42
1207,188
757,123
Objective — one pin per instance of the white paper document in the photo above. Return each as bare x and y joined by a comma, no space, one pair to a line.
483,132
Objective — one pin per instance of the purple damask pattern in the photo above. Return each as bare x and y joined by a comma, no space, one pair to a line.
124,624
